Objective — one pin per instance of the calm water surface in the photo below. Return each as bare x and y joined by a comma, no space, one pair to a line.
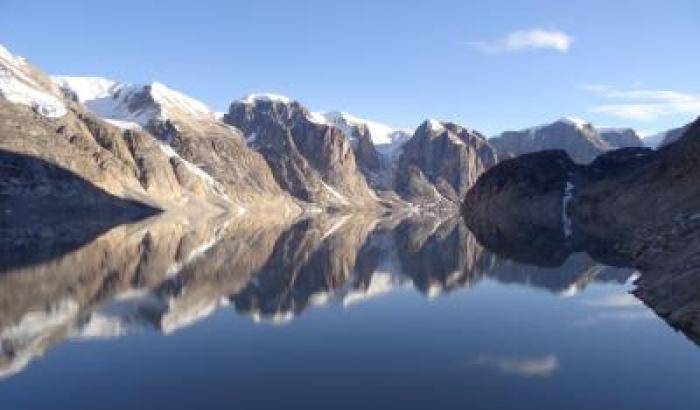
332,312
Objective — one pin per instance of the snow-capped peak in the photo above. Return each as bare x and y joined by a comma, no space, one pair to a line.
123,104
434,125
8,57
20,84
575,121
87,88
380,134
171,99
253,98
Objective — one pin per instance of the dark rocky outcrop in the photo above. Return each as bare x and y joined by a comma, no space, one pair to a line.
521,199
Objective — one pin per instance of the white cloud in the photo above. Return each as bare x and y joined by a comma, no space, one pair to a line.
524,40
521,366
643,104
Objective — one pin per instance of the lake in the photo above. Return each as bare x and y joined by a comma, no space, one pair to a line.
344,311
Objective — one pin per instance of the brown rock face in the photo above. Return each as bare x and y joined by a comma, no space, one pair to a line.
441,162
368,158
220,151
312,161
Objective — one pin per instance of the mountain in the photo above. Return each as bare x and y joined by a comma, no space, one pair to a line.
311,159
441,162
61,153
621,137
573,135
190,130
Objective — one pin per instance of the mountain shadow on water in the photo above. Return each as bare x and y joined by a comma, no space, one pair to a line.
46,210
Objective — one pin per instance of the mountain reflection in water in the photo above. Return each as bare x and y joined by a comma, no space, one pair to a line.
165,273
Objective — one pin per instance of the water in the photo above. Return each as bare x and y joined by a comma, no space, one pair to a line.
333,312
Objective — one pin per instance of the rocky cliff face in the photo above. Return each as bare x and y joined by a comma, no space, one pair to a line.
440,163
313,161
577,137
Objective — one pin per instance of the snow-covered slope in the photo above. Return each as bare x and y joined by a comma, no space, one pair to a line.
129,106
252,98
20,83
381,134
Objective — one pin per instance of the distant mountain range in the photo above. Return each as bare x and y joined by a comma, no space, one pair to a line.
579,138
159,147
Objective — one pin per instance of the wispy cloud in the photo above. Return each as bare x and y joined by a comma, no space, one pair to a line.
643,104
525,40
521,366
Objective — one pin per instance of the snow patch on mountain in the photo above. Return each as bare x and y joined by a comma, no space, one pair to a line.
253,98
170,99
18,87
381,134
434,125
577,122
128,105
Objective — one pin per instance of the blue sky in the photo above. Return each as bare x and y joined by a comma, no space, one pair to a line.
491,65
